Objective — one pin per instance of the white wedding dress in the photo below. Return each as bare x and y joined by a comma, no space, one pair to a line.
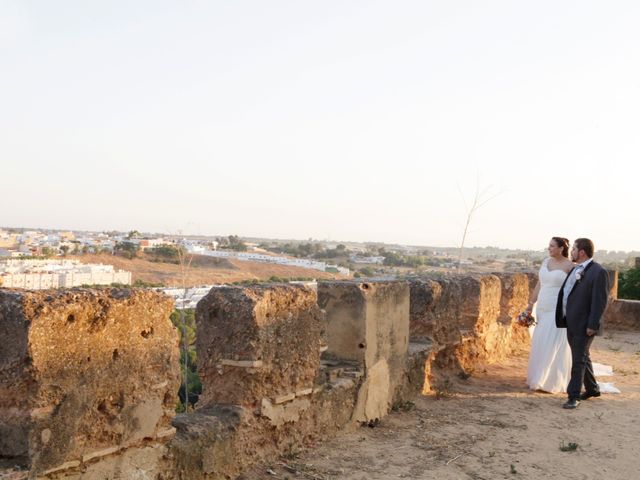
550,357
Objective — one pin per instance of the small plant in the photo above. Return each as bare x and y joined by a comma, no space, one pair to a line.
513,469
291,453
401,406
569,447
443,389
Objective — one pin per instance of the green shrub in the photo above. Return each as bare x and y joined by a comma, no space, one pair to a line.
629,284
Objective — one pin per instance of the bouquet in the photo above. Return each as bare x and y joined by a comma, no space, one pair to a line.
525,319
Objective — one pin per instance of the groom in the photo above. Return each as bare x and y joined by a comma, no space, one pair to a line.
581,303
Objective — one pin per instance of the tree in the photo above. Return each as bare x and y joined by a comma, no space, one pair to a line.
127,249
223,242
170,252
191,387
629,284
367,272
185,258
481,198
64,249
234,242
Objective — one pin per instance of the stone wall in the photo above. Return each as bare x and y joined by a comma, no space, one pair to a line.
88,378
258,344
467,320
368,323
622,315
85,374
283,366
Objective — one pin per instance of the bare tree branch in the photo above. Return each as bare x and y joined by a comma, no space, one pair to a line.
480,199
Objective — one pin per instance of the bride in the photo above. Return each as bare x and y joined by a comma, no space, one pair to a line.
550,357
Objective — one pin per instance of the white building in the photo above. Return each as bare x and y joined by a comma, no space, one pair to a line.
379,260
187,298
40,274
145,243
258,257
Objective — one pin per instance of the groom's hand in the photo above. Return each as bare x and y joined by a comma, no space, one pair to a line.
591,332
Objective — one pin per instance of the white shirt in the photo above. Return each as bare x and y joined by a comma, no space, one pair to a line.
571,282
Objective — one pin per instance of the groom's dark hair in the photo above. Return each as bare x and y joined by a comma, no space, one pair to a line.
586,245
564,243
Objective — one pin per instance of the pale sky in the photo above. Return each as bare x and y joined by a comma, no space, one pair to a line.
342,120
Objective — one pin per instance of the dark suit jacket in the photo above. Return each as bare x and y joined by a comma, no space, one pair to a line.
587,301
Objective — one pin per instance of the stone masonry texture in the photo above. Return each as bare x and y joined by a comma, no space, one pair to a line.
83,371
368,323
257,342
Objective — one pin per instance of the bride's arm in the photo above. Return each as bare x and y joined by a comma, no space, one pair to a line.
534,297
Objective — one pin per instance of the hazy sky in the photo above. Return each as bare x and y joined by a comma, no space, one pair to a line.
342,120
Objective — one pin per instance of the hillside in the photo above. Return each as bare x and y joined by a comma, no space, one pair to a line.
204,270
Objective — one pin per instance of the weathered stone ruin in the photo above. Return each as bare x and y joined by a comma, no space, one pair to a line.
278,372
89,378
259,353
367,326
466,320
261,345
621,314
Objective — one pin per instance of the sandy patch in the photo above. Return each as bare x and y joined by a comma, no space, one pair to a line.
203,271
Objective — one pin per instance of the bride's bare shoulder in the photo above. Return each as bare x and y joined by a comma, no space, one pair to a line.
567,265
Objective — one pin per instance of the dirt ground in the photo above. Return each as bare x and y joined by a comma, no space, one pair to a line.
491,426
203,271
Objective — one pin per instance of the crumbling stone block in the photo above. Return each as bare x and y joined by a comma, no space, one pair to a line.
206,445
368,322
435,310
257,342
613,284
469,319
445,308
221,441
83,372
479,303
622,314
515,292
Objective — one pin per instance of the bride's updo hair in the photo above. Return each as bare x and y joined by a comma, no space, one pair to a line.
564,243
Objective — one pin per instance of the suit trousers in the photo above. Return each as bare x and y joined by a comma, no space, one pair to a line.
581,367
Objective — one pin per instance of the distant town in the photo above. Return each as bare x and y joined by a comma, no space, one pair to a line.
40,258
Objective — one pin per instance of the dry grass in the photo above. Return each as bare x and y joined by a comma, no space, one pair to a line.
204,270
